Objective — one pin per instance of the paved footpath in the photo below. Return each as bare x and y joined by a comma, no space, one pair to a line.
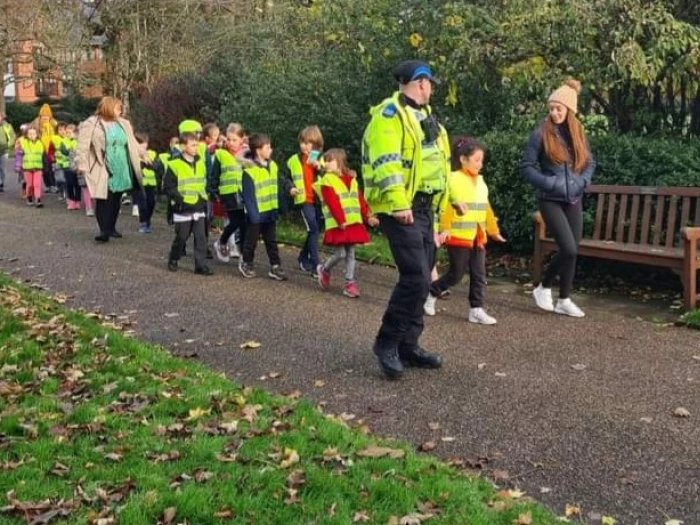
602,435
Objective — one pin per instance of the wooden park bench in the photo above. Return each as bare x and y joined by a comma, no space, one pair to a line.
643,225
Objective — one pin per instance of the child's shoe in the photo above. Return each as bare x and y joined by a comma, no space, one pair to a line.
543,298
172,266
351,290
324,278
39,204
246,270
222,251
567,307
429,306
30,201
144,228
479,316
90,212
277,273
204,270
234,250
135,211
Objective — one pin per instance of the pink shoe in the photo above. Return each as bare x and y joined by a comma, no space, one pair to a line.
324,277
351,290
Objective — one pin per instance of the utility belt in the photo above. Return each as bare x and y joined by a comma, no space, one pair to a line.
423,201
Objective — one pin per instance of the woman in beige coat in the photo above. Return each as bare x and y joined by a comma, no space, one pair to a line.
108,156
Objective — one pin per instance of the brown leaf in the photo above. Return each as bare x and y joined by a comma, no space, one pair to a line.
114,456
296,479
681,412
380,452
275,375
60,470
289,458
224,513
414,518
291,498
9,389
319,383
393,520
294,395
427,446
435,426
250,345
500,476
523,519
572,510
169,515
361,516
202,476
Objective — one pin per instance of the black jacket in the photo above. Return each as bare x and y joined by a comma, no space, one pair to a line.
555,182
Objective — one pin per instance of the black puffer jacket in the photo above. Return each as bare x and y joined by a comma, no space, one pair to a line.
555,182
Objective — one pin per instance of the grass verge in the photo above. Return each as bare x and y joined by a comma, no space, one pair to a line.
691,319
100,428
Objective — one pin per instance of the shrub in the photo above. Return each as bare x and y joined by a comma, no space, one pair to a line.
18,114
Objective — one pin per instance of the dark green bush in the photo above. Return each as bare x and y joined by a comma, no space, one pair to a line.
18,114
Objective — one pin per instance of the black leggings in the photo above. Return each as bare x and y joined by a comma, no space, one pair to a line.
565,223
72,186
236,221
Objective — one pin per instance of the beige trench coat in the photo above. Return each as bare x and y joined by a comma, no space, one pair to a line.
90,155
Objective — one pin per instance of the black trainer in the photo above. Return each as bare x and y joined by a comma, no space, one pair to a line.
102,237
172,266
420,357
116,234
205,270
389,361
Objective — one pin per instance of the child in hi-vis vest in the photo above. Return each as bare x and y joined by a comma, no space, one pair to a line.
32,166
466,235
345,212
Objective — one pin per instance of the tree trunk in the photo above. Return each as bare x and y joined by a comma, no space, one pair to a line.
3,70
695,120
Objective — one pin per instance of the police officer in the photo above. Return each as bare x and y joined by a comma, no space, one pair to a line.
405,166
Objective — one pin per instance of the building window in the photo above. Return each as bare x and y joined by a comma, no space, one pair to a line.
46,87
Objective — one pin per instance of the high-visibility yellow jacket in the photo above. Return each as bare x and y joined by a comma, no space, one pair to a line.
32,154
349,200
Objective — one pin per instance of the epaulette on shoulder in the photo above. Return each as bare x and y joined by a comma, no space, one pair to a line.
389,111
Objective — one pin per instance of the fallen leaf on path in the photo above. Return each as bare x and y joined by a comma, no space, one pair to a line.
274,375
380,452
481,366
608,520
250,345
545,490
427,446
697,358
674,522
572,510
171,315
501,374
579,367
448,439
500,475
434,426
319,383
681,412
646,419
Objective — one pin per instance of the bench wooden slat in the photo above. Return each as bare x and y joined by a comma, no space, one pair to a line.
646,217
658,222
634,218
685,212
612,202
621,217
599,216
671,223
697,212
679,191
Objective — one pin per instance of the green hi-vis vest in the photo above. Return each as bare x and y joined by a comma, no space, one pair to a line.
164,158
395,162
231,179
149,174
62,160
266,189
475,194
191,183
349,200
32,154
297,171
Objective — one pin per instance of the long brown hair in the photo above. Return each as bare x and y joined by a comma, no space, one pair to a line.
555,149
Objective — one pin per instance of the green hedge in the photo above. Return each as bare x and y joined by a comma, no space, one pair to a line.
621,160
18,114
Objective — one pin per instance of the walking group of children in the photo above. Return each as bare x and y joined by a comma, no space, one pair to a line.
35,157
236,171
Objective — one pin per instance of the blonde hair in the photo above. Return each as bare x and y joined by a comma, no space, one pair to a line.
338,155
235,129
107,108
311,135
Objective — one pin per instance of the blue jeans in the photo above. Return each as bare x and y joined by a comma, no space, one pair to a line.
146,201
309,253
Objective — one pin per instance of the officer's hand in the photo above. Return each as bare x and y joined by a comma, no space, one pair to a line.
441,238
403,216
373,222
460,207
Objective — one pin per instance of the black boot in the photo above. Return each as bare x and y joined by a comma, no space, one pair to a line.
172,265
420,357
389,360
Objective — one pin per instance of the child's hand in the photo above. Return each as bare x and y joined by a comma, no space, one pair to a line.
498,237
373,222
460,207
342,226
441,238
294,192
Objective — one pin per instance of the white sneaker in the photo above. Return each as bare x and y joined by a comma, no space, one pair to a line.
479,316
567,307
90,213
221,252
234,251
429,306
543,298
135,211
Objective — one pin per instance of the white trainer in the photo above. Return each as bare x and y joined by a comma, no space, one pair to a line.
135,211
429,306
221,251
543,298
234,251
479,316
567,307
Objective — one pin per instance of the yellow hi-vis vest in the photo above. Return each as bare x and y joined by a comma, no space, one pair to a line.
266,189
231,179
349,200
191,183
62,160
32,154
149,174
392,158
297,171
475,194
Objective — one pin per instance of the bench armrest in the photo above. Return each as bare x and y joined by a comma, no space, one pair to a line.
540,226
691,233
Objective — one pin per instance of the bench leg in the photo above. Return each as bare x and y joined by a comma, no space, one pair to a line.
537,262
690,277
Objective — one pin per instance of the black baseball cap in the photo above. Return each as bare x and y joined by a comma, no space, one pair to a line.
411,70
